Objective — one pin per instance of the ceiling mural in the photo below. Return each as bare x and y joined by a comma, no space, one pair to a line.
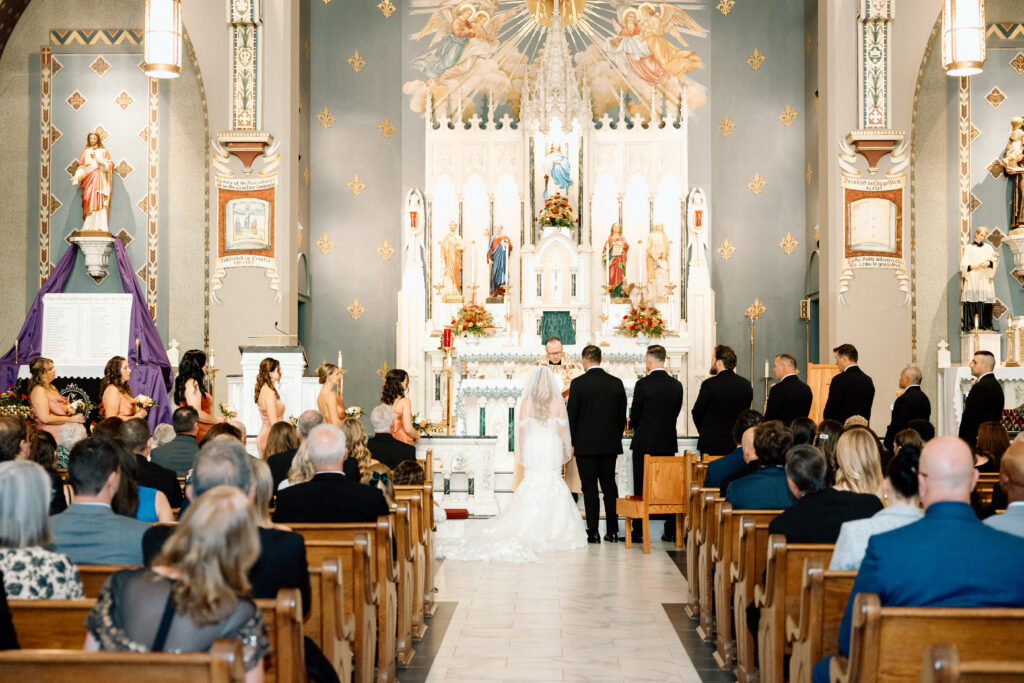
639,50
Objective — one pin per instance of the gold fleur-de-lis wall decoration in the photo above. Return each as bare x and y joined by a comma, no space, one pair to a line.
755,310
788,116
788,244
356,62
386,8
356,185
726,126
757,184
325,243
755,60
355,309
382,371
326,118
386,128
385,250
725,6
726,249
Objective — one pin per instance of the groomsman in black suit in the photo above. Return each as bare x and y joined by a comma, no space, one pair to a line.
722,396
657,400
912,404
851,392
985,402
597,418
789,398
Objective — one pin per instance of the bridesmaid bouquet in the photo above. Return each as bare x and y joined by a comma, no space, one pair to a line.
354,411
293,421
76,408
143,402
421,424
228,411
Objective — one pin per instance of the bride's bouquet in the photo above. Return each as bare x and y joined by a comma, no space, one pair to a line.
226,410
77,408
143,402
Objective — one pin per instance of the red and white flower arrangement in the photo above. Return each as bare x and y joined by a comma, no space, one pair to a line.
557,212
643,319
472,319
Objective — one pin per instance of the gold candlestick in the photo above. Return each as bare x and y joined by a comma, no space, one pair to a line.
753,314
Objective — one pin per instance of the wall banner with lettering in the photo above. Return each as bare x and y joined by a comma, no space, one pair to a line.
246,234
873,228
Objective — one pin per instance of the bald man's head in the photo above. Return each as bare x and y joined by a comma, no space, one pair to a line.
1011,473
747,443
946,472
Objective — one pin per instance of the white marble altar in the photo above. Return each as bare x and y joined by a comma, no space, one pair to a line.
298,393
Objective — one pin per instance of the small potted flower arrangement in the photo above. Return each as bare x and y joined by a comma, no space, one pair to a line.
643,322
556,212
472,321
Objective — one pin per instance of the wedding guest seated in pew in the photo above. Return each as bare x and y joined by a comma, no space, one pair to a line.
826,441
44,454
89,532
282,437
224,429
859,460
31,571
359,456
948,558
179,453
1011,481
766,488
383,445
195,591
903,507
163,434
820,510
70,434
804,431
14,443
8,638
282,554
134,436
281,463
330,496
733,462
992,443
379,476
263,494
143,503
750,464
410,473
923,427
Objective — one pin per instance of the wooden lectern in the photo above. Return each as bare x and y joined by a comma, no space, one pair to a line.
819,378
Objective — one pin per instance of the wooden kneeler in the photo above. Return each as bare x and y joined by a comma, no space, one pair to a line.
664,493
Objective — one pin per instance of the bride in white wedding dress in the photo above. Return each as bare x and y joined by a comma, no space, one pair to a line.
541,516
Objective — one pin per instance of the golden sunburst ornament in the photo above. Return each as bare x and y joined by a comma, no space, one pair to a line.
326,118
788,244
755,60
726,250
386,128
382,371
356,62
325,243
356,185
385,250
386,8
788,116
355,309
726,126
757,184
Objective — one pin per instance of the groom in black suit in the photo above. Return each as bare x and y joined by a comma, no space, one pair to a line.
851,391
597,418
657,400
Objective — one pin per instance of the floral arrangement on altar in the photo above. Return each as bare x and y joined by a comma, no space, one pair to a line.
226,410
643,319
354,411
556,212
14,403
472,319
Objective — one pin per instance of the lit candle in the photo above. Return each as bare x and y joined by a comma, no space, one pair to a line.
766,367
339,358
446,338
975,321
212,362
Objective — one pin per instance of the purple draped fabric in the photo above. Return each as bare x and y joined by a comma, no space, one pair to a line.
151,370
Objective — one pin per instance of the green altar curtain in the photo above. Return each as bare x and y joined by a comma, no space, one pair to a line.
558,324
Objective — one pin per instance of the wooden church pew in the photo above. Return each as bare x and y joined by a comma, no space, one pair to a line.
328,624
747,570
813,632
942,663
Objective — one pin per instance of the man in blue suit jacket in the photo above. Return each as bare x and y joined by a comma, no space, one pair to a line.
948,559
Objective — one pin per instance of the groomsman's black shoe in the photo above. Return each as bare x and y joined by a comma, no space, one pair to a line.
593,537
611,538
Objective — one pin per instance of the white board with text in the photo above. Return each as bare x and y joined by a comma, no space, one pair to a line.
86,329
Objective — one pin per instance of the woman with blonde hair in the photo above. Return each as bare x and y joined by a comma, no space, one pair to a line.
267,398
264,481
194,593
282,437
301,470
379,476
329,401
49,408
30,571
859,462
116,394
355,441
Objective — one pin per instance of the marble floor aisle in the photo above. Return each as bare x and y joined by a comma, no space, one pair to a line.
589,615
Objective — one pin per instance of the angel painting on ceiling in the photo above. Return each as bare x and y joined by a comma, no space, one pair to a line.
641,46
462,35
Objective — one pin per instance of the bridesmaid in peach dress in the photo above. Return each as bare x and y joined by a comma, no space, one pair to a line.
396,385
190,390
329,401
267,398
49,408
117,395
